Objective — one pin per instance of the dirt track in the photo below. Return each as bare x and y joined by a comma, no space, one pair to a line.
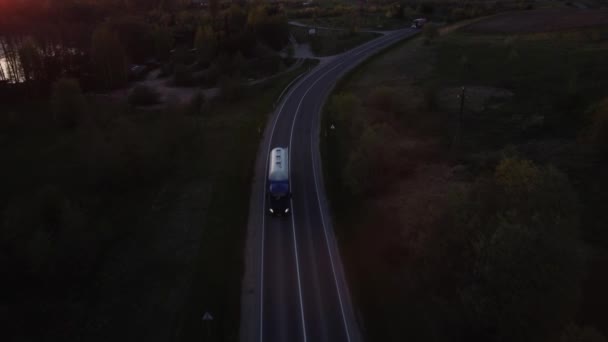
541,21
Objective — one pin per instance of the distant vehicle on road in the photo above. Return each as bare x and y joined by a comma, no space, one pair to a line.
278,182
418,23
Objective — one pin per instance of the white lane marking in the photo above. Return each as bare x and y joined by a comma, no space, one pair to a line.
264,214
362,47
276,119
317,189
330,254
295,248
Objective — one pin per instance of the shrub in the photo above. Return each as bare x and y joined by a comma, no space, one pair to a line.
516,237
143,95
67,102
384,98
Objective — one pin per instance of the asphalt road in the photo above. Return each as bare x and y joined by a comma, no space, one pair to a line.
294,287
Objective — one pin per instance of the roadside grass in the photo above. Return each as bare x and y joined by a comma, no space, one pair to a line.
555,81
330,42
233,133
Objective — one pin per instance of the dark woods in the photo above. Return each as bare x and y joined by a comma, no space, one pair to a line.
95,42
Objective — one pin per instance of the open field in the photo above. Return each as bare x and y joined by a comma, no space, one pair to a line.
542,21
529,97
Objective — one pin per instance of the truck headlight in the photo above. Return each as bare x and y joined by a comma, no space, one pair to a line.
286,210
271,211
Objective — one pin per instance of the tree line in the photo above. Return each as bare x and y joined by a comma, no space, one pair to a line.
96,41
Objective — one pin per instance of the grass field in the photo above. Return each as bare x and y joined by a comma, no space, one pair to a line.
530,95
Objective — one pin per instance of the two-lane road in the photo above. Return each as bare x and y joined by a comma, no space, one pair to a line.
294,287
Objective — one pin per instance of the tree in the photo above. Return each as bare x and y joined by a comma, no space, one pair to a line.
214,8
205,44
237,19
136,36
519,230
109,58
31,61
272,30
163,43
67,102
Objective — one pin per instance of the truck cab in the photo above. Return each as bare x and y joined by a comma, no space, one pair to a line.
279,194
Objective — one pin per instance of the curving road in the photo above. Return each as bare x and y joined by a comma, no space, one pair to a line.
294,287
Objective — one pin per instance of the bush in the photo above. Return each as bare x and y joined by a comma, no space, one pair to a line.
384,98
68,102
515,238
143,95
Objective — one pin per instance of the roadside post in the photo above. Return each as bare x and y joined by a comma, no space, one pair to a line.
207,318
458,135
